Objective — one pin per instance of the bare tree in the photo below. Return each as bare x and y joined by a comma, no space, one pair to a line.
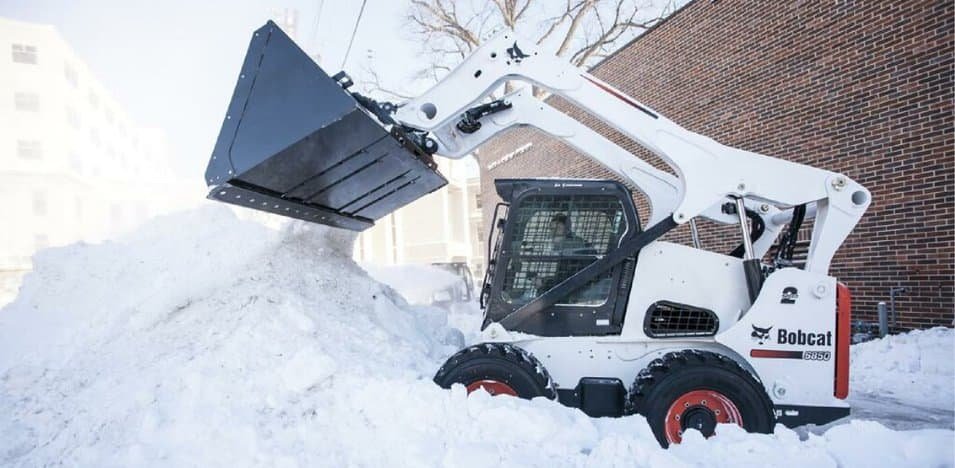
583,31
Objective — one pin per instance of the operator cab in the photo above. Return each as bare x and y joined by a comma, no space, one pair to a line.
553,229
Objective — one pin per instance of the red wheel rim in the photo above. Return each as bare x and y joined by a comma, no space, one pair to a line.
494,387
704,404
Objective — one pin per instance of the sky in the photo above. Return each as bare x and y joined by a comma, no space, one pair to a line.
173,64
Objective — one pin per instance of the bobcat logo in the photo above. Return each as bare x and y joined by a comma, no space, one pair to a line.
760,334
516,54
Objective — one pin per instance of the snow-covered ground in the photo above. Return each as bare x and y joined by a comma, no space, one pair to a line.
417,284
205,340
905,381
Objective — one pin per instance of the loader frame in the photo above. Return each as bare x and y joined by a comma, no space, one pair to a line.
801,380
297,142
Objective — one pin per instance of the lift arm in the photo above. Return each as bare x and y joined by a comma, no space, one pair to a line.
662,189
708,172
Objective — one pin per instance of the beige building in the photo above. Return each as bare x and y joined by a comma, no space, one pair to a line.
476,227
439,227
72,165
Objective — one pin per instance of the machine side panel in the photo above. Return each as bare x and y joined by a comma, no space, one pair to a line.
684,275
789,338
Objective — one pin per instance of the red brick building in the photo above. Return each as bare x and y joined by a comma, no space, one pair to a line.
859,87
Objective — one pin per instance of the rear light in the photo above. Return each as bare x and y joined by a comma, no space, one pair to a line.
843,330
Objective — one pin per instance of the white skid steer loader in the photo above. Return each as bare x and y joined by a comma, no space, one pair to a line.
582,301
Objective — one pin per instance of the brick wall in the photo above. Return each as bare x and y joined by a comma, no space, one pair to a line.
864,88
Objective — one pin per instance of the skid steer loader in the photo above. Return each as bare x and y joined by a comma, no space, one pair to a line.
583,303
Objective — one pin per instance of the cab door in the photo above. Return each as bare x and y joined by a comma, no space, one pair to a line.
552,232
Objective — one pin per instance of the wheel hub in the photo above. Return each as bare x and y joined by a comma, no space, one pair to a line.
494,387
699,418
701,410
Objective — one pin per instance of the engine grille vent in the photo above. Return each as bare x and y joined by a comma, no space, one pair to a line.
668,319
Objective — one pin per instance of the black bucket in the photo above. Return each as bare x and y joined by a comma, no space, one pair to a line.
295,143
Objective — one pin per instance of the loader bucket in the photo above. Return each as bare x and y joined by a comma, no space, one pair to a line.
295,143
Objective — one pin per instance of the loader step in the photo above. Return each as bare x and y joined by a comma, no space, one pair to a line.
301,146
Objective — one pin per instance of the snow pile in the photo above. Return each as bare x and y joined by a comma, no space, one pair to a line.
415,283
915,366
905,381
418,285
203,340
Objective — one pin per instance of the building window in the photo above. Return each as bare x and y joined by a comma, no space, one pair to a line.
94,100
39,203
116,214
142,211
26,102
456,202
73,117
76,163
72,77
23,53
29,149
94,137
40,241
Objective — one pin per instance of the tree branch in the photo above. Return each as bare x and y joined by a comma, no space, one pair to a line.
373,84
609,35
585,30
575,22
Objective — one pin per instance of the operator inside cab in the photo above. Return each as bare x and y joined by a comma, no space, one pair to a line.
564,243
554,239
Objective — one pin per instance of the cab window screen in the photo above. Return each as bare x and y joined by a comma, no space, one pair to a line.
556,236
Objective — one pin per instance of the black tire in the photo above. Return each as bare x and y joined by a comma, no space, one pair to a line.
677,374
500,362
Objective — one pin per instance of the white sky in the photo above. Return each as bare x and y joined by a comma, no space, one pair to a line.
173,64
